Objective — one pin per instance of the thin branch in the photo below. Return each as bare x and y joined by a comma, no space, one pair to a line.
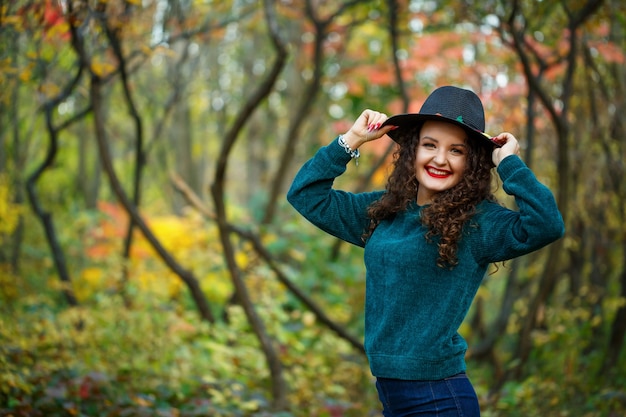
105,156
380,161
31,183
393,7
257,243
279,386
307,100
140,159
549,275
31,187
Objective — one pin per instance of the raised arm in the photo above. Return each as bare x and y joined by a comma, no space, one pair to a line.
506,234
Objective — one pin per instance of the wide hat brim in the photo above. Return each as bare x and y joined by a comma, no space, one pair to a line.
410,120
449,104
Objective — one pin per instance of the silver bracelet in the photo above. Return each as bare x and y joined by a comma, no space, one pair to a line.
353,154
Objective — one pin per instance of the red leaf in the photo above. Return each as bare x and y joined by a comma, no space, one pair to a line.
84,389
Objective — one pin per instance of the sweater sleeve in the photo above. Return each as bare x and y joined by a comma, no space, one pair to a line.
339,213
506,234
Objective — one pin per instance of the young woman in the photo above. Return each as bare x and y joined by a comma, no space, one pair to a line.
429,238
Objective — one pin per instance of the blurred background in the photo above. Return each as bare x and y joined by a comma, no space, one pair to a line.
150,265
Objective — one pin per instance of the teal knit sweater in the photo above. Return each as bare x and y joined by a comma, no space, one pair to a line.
413,308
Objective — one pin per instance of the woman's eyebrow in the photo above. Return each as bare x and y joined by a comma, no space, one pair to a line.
429,137
435,140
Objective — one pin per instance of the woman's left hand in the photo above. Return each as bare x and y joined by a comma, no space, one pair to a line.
509,147
367,128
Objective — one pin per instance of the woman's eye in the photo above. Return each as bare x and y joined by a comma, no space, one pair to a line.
457,151
428,145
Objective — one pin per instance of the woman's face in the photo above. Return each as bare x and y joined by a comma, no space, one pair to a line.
440,159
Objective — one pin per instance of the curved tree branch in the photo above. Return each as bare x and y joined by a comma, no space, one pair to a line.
31,187
269,259
548,279
301,111
279,386
99,123
140,160
31,183
188,278
394,36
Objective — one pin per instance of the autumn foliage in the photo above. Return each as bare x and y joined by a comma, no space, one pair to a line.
149,265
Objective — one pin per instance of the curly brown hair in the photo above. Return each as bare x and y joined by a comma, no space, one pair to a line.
450,210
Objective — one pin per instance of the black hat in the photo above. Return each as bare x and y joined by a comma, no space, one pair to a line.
448,104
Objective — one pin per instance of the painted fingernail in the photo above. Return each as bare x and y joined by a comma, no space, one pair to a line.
370,127
377,126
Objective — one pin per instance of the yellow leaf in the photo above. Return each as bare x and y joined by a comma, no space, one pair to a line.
92,275
308,319
12,20
58,30
48,53
26,75
102,69
143,402
242,259
9,212
146,49
49,89
217,288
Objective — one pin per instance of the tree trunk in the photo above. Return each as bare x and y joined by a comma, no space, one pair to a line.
187,277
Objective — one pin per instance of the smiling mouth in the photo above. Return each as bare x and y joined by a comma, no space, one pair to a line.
437,173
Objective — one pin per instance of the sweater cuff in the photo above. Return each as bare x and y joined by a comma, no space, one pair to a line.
338,153
509,165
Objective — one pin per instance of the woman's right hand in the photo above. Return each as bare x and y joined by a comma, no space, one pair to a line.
508,146
366,128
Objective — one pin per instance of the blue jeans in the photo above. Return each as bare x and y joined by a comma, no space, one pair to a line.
449,397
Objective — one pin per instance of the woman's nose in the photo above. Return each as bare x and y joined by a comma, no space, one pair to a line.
440,157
